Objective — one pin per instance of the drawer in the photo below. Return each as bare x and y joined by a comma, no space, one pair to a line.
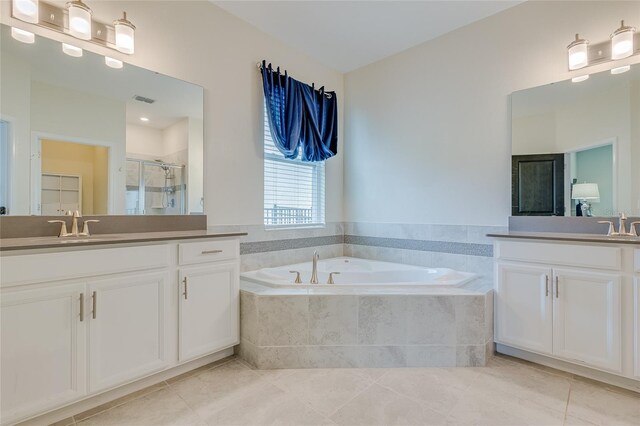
43,267
586,256
208,251
637,262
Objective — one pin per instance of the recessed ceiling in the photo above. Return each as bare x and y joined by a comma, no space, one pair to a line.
346,35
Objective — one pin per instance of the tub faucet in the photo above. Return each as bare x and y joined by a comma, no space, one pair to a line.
314,270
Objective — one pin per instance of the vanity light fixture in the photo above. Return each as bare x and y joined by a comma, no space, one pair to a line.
620,70
578,53
75,18
125,34
580,78
26,10
622,42
113,63
23,36
71,50
79,19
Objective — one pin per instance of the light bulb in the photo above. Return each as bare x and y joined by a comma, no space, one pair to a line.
580,78
71,50
622,42
620,70
26,10
113,63
578,53
125,35
23,36
79,20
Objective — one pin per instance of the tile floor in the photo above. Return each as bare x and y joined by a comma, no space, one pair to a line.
506,392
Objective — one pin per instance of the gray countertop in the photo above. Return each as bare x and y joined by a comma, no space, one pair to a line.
32,243
557,236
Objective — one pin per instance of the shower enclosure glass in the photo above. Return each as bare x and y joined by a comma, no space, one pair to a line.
155,188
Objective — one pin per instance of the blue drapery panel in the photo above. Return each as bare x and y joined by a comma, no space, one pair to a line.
300,116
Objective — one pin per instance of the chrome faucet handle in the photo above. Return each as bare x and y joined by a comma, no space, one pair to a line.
85,227
632,229
612,231
298,279
63,228
331,274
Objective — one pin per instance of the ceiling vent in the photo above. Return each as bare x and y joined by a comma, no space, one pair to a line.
143,99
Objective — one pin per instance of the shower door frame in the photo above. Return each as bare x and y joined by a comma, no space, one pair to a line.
142,186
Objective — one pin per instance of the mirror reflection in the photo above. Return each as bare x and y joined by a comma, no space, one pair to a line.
576,147
78,135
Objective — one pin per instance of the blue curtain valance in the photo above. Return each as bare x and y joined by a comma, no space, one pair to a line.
300,117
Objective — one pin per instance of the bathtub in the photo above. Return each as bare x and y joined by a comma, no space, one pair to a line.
359,273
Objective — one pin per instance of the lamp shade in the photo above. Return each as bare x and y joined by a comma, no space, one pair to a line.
622,42
25,10
585,191
79,20
125,35
578,53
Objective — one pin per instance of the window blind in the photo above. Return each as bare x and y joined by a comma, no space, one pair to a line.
293,190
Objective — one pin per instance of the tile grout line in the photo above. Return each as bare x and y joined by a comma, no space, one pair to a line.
566,407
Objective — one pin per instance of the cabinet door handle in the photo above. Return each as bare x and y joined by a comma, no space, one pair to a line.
185,294
81,307
546,285
94,302
557,285
211,251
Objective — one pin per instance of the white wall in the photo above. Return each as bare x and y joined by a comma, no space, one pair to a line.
200,43
428,136
144,142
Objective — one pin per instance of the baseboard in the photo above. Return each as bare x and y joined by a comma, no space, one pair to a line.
113,394
579,370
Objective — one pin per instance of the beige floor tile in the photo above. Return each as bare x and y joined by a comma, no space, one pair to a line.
163,407
378,405
64,422
439,389
574,421
324,390
481,407
597,404
212,390
535,386
266,405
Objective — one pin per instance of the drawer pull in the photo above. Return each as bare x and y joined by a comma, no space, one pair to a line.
185,294
211,251
81,307
547,285
94,300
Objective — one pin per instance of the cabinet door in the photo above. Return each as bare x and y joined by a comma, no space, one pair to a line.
586,318
524,307
126,318
209,309
636,322
43,343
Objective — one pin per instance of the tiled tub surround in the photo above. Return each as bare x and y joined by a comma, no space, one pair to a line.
435,327
460,247
262,248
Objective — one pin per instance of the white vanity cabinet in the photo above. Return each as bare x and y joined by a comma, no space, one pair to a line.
636,313
565,301
79,322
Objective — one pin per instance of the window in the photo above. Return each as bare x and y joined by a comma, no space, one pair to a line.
293,190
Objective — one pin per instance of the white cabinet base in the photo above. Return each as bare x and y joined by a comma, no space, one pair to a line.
548,361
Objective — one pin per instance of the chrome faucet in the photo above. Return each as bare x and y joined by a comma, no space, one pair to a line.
314,270
622,227
74,226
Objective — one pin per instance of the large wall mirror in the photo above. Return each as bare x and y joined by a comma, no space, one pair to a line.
576,147
78,135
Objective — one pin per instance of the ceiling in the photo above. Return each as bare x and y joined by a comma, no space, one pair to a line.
346,35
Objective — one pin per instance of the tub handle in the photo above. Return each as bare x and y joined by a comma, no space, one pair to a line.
298,279
331,274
